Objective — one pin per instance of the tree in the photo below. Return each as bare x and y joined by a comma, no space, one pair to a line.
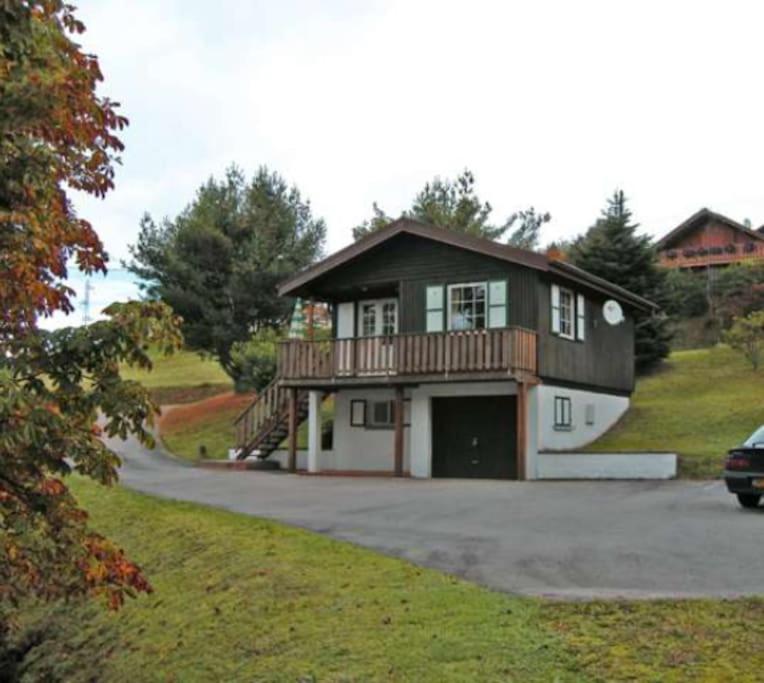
56,134
528,233
613,250
454,205
219,262
747,336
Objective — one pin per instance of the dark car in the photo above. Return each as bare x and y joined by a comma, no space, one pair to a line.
744,470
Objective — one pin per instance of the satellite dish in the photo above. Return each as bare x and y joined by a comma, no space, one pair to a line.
612,312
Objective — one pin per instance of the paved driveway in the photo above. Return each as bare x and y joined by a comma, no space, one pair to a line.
567,539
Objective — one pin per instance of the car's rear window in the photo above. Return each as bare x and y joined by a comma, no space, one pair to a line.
756,440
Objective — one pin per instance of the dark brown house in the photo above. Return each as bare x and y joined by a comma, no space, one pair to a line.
708,239
450,356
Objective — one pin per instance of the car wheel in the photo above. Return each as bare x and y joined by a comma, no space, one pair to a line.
749,500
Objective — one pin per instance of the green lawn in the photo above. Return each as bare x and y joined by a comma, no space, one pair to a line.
181,377
702,403
210,424
243,599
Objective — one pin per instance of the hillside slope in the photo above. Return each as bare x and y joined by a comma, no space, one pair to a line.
700,404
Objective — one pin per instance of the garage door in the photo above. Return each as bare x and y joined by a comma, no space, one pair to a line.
474,437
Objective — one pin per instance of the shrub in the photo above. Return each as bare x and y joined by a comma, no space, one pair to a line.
747,336
254,361
686,294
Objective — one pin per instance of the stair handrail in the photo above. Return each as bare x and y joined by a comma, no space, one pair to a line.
266,404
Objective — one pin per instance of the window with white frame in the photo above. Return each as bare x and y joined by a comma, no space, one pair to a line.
378,317
467,306
563,414
368,319
389,317
567,313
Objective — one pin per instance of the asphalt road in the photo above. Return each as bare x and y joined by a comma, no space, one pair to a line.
562,539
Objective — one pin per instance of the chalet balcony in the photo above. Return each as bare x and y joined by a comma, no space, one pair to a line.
702,257
508,353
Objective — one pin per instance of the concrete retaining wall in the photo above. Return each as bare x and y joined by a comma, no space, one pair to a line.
606,465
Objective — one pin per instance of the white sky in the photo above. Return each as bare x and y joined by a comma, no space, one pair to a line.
552,104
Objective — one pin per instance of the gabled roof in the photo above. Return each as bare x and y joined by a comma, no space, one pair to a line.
700,218
481,245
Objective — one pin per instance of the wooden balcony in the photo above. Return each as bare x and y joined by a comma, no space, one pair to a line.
741,254
446,356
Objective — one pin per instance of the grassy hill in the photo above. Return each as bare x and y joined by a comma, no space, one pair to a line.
243,599
700,404
181,377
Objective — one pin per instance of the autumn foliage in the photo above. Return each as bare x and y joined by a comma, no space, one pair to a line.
60,391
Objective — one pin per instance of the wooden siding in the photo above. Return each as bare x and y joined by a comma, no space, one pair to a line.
605,359
407,264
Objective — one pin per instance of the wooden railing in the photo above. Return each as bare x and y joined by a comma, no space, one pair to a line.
270,405
678,259
507,350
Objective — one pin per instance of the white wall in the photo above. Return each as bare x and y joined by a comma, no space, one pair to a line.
608,409
421,415
362,448
607,465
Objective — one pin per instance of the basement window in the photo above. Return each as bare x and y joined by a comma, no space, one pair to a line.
563,414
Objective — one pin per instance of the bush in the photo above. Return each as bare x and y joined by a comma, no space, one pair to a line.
747,336
254,361
686,294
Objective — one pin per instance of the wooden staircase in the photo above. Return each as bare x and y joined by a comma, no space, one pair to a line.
264,425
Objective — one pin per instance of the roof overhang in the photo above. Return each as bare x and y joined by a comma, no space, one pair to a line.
503,252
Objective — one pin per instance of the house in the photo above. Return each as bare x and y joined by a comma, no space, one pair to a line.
450,356
708,239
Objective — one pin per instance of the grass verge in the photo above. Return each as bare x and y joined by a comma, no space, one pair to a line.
702,403
243,599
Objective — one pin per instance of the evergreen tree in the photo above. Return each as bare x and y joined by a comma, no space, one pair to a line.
454,205
218,264
613,250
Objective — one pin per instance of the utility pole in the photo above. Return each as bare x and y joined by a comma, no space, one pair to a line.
86,302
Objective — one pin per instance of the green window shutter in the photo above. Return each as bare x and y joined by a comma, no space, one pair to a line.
434,308
580,317
497,303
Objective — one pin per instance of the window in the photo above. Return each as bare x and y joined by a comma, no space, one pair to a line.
466,307
589,414
566,313
381,414
368,320
378,317
389,317
563,419
377,414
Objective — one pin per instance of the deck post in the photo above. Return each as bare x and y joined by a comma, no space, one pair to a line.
314,430
521,447
398,432
292,423
311,321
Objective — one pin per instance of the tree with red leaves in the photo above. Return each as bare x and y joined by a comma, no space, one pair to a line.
60,391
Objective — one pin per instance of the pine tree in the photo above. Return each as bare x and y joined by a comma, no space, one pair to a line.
613,250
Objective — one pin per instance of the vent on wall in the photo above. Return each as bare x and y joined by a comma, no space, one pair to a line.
590,413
